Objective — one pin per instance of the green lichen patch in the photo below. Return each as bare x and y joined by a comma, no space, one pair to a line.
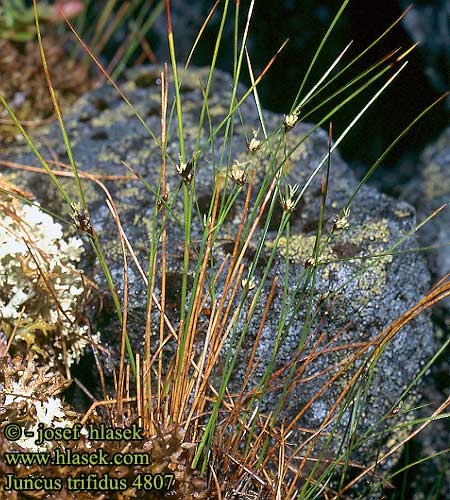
436,183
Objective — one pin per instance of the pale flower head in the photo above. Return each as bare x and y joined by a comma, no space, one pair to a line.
341,223
290,121
248,283
238,173
254,143
288,202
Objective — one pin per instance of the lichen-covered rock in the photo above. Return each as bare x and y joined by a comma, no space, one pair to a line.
369,290
427,192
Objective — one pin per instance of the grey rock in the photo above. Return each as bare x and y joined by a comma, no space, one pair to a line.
104,132
427,23
427,192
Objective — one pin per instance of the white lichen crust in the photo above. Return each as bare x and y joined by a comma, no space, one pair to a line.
40,288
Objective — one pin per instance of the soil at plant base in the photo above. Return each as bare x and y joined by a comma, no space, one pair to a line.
24,86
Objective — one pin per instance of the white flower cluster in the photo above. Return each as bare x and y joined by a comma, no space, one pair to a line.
37,273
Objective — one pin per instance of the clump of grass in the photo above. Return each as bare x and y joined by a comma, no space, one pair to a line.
23,83
219,444
17,19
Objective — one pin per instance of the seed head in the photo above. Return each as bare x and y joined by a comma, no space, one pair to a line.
248,283
185,169
81,218
288,201
254,144
341,223
290,121
238,173
161,201
311,261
